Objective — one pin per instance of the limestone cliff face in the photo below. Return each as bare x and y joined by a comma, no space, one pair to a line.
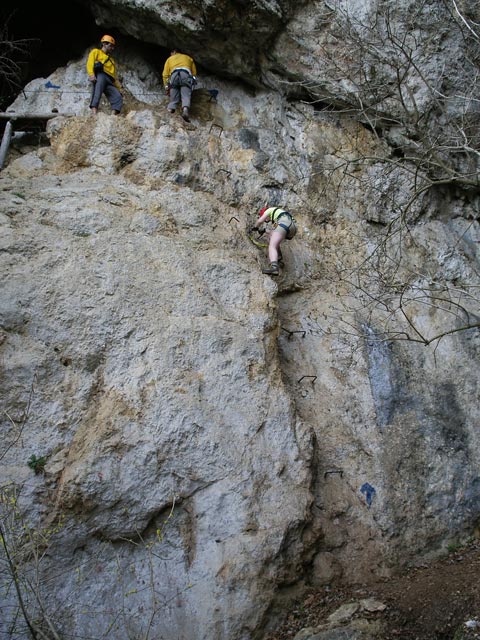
214,438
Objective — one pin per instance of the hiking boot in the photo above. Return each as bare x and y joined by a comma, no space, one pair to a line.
172,110
185,114
272,270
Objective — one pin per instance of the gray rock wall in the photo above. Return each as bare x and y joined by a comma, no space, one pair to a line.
213,439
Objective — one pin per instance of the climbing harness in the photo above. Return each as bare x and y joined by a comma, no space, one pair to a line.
181,77
285,220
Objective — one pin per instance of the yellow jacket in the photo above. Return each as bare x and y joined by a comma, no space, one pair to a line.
97,55
176,61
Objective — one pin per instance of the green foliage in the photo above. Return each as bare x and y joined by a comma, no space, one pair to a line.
37,464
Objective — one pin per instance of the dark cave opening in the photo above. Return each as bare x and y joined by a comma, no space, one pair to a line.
56,33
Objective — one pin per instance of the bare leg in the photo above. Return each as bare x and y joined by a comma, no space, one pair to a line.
273,246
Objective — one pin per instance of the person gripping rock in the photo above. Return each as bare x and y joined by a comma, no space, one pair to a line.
284,227
179,78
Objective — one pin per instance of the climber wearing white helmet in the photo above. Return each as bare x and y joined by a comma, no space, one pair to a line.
101,71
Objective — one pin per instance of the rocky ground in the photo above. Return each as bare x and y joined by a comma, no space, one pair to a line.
438,601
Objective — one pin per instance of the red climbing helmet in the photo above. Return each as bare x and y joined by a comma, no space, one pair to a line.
262,211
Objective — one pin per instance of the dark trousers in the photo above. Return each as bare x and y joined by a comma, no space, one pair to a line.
181,83
104,84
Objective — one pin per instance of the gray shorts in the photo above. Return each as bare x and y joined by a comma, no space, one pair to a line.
286,221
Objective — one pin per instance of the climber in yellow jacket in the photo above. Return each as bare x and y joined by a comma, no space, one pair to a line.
284,226
179,78
101,71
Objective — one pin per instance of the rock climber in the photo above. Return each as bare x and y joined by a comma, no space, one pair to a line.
284,226
101,71
179,78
